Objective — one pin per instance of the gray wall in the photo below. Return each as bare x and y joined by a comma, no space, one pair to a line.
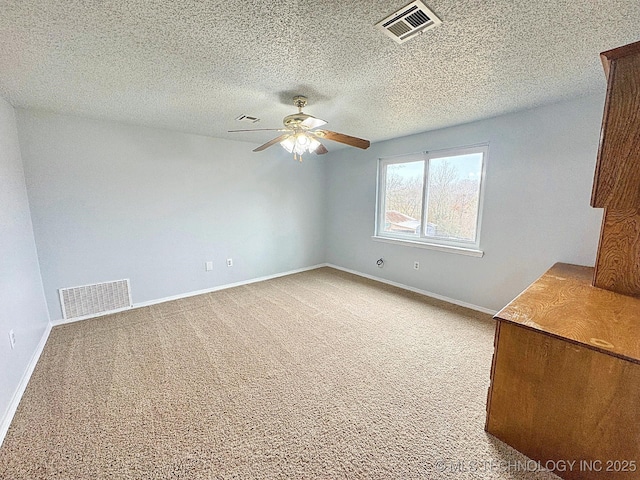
536,206
21,295
112,201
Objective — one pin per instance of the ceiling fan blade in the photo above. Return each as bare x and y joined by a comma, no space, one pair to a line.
312,122
259,130
272,142
321,150
342,138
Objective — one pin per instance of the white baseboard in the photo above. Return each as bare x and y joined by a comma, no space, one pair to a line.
63,321
276,275
191,294
417,290
17,395
229,285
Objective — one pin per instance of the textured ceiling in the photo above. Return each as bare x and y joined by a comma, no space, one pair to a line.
194,66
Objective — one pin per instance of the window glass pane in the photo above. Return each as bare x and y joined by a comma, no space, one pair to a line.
403,198
453,194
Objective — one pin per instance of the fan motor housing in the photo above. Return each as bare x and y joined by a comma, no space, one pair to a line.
295,120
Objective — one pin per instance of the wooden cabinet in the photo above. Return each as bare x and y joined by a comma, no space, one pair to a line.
565,379
618,259
617,178
616,185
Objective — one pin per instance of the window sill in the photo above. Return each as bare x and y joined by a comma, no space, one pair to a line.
472,252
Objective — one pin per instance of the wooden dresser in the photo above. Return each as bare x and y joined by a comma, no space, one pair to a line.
565,376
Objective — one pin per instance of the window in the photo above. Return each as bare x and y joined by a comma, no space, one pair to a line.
434,198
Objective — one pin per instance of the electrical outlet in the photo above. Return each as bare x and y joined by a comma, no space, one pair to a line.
208,266
12,338
416,265
229,262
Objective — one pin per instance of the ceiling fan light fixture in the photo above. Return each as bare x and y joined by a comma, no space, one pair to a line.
288,143
299,144
313,145
302,141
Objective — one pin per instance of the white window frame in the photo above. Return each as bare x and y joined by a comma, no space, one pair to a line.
423,241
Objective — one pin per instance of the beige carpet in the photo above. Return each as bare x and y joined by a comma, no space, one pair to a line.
316,375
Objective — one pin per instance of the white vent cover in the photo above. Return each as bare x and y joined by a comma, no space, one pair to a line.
247,119
408,22
95,299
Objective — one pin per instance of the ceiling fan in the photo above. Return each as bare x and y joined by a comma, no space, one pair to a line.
301,135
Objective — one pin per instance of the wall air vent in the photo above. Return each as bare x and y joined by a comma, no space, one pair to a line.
95,299
408,22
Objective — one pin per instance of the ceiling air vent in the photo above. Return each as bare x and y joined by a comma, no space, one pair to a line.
411,20
247,119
